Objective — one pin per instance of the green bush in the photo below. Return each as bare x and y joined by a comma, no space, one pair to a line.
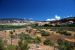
26,37
37,40
1,44
64,33
43,33
48,42
11,47
64,45
23,45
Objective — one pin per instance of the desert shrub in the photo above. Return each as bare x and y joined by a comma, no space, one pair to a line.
1,44
64,33
11,47
23,45
26,37
37,40
48,42
43,33
64,45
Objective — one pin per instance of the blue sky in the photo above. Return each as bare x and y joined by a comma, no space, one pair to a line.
37,9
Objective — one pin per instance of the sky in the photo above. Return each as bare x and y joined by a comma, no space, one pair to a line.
38,10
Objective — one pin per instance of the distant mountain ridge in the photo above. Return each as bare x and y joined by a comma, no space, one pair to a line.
68,19
11,19
26,20
14,20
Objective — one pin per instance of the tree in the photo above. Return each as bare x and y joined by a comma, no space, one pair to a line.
36,24
13,30
46,25
11,35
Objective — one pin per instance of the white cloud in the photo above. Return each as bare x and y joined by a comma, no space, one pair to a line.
57,17
47,19
50,19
